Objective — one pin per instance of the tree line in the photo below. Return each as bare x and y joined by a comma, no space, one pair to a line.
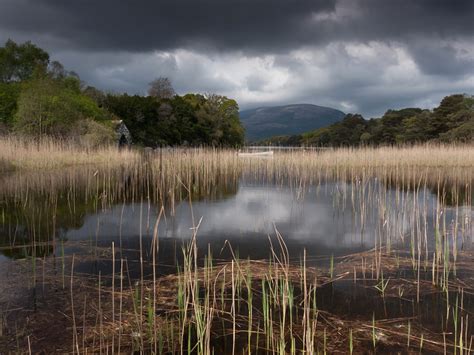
38,97
451,121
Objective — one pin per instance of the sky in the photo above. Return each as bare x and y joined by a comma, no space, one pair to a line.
359,56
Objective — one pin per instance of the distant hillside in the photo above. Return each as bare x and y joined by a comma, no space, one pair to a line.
451,122
266,122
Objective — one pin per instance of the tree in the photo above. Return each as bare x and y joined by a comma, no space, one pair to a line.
416,129
344,133
183,120
18,62
56,70
9,93
226,113
95,94
365,138
161,88
48,106
218,122
141,116
389,128
464,133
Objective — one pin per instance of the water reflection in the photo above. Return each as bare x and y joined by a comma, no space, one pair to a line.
330,218
246,220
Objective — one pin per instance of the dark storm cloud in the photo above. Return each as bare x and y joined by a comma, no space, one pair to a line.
355,55
259,25
441,58
143,25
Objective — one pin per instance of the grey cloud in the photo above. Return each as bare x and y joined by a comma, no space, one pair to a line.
122,45
258,25
385,77
255,82
120,71
143,25
436,58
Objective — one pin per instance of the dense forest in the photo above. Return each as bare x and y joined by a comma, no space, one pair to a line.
451,121
191,119
38,98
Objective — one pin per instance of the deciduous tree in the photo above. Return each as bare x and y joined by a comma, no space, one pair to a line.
18,62
161,88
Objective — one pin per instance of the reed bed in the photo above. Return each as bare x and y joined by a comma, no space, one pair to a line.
24,153
413,203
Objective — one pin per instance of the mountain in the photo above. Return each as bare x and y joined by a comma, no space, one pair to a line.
266,122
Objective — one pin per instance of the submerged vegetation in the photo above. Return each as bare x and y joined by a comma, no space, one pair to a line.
407,288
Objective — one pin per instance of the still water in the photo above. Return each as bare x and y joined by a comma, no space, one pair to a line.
74,219
330,218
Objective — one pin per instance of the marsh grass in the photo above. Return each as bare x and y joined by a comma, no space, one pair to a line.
199,319
49,153
279,305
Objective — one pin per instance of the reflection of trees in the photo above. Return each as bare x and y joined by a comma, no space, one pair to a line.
31,227
452,195
223,188
451,189
37,209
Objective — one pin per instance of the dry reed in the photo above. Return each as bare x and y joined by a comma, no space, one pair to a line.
269,305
